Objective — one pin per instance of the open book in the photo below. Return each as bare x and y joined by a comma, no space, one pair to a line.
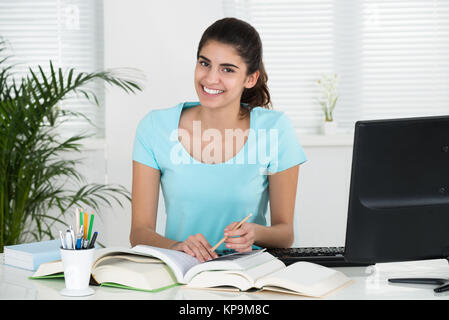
153,269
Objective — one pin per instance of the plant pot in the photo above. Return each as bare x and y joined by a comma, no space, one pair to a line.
329,128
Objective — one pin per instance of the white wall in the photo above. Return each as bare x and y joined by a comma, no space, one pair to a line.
160,38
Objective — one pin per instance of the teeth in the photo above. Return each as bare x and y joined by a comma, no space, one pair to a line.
212,91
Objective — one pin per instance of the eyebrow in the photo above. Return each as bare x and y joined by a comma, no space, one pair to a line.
222,64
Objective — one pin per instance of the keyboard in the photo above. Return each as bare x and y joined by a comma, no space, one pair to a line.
325,256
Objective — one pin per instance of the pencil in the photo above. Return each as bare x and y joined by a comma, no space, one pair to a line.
235,228
77,220
86,222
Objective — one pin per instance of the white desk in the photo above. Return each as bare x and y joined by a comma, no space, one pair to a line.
370,283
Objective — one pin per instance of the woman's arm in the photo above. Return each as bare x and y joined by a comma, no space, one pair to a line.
145,198
282,192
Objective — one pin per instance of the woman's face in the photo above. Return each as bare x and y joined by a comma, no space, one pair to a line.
220,76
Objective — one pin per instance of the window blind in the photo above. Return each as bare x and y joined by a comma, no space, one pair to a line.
67,32
392,57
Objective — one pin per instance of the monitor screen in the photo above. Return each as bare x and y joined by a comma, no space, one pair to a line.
399,192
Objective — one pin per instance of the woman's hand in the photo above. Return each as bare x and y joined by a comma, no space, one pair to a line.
196,246
242,239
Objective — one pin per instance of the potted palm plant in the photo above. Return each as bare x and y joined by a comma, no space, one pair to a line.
35,178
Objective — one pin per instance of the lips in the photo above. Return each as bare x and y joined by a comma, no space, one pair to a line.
211,91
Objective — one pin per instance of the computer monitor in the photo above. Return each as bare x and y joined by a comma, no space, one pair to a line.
399,191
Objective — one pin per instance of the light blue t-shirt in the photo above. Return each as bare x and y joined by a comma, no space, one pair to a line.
205,198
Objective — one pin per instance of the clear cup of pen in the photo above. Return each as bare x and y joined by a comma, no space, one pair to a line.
77,270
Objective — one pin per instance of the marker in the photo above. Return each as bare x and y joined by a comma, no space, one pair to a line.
81,217
92,243
91,223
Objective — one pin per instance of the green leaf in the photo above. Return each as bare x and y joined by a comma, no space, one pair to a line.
36,177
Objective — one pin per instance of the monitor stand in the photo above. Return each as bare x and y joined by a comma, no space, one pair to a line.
443,284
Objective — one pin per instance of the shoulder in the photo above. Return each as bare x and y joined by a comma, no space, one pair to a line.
163,118
269,118
156,115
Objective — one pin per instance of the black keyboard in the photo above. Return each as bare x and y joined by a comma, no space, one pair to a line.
325,256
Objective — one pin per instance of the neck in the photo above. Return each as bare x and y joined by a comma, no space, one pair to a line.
220,118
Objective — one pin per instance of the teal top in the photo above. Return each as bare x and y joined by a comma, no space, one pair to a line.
205,198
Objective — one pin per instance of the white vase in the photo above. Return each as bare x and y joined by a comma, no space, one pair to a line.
329,128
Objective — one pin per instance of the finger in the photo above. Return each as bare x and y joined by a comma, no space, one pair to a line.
187,249
193,245
239,246
209,253
238,232
230,227
237,240
205,247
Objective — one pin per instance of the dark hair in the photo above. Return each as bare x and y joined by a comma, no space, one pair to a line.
246,40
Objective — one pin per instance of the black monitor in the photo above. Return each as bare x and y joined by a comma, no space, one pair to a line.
399,192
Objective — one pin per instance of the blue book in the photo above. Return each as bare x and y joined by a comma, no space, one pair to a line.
30,256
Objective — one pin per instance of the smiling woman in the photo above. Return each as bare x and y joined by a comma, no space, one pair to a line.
200,153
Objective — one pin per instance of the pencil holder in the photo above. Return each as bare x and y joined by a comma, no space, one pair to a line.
77,269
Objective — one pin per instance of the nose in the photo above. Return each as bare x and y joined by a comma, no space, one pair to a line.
212,76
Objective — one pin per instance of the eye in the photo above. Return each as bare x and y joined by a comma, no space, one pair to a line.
204,63
228,70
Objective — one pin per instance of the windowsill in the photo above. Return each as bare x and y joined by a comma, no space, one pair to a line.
321,140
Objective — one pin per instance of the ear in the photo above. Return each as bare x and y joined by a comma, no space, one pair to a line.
251,80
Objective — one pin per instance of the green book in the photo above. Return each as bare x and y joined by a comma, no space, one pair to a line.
119,268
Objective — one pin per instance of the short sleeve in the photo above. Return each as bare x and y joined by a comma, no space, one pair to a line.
287,151
143,151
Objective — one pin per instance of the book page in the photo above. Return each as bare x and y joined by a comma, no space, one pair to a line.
48,268
126,256
237,261
305,278
242,279
142,275
178,261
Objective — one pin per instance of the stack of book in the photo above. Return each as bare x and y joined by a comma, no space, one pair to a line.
30,256
154,269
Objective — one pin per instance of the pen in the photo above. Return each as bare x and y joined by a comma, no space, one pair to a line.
72,236
68,239
92,242
235,228
79,238
78,242
62,239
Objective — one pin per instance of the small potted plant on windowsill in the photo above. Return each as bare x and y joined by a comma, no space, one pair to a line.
328,97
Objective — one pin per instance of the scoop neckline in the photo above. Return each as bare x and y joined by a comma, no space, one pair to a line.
195,161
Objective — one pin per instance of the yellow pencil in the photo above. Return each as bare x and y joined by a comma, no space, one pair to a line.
86,222
235,228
